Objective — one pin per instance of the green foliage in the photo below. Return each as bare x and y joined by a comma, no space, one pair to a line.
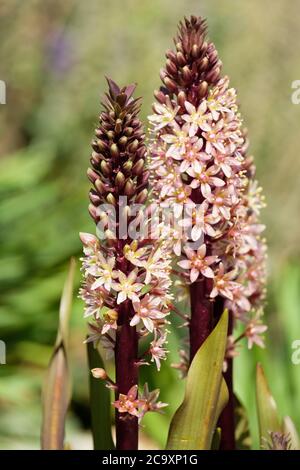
54,56
206,394
56,395
100,403
267,413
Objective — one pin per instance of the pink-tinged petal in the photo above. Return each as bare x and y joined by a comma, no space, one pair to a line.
132,393
214,293
107,285
197,166
201,252
189,253
199,144
219,146
225,211
209,230
122,276
135,320
184,264
194,274
208,147
205,126
196,233
177,248
189,107
98,283
227,293
121,297
106,327
177,210
132,275
217,181
207,272
205,190
202,107
211,259
193,130
88,238
226,170
195,184
133,297
184,166
148,324
203,156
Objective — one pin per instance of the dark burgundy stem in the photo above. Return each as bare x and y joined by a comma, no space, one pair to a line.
201,322
226,420
126,353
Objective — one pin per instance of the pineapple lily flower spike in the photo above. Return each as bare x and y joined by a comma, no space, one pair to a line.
199,166
126,276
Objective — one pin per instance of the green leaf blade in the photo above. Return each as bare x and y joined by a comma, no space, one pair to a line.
100,405
268,418
56,393
206,395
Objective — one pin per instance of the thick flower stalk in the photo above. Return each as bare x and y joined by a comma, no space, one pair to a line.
126,273
200,167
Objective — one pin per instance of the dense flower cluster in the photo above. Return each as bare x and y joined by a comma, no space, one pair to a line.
144,284
138,406
125,281
199,165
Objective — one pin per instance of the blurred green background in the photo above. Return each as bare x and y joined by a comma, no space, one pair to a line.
53,58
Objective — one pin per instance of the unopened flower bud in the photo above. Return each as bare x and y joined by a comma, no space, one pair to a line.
170,84
123,141
181,60
111,199
203,64
110,135
102,146
105,168
100,186
187,75
92,175
128,131
160,96
114,151
133,146
195,51
93,212
138,167
87,238
99,373
181,98
142,196
127,166
120,180
202,89
129,187
118,126
171,67
94,198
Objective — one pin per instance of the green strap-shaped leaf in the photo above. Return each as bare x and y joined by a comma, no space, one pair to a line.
267,413
56,393
206,394
289,429
100,405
